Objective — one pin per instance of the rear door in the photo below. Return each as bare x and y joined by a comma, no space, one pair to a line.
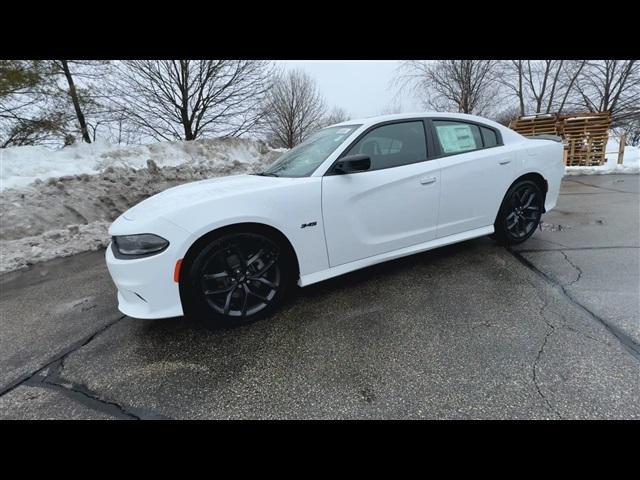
476,170
392,205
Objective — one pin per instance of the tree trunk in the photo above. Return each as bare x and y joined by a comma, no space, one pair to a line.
520,89
76,103
187,123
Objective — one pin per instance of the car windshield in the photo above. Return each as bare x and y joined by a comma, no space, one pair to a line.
303,159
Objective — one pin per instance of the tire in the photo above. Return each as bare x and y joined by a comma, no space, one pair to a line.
519,214
236,279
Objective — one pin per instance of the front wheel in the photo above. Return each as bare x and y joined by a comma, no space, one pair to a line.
236,279
519,213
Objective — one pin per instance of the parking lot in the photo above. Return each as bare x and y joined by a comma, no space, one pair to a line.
547,330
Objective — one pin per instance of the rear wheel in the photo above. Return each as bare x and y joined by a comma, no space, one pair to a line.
519,213
237,278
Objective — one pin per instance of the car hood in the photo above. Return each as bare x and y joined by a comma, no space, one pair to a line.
192,193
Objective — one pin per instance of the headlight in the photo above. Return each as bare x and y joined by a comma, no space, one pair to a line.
143,244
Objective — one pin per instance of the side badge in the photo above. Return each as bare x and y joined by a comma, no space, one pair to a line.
310,224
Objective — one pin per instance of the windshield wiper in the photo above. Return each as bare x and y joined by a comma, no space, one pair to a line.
267,174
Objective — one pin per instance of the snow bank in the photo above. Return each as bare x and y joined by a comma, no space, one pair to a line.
69,214
52,244
630,161
21,166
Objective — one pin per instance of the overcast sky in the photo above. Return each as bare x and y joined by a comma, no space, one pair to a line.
361,87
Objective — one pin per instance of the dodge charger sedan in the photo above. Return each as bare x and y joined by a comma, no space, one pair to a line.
361,192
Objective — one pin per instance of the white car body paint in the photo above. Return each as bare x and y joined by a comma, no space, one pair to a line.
362,218
367,215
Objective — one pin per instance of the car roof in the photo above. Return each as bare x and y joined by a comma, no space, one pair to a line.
370,121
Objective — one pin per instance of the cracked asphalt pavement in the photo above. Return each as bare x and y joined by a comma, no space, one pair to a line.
548,329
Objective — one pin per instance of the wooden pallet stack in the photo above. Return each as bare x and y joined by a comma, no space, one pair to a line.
546,124
584,135
585,138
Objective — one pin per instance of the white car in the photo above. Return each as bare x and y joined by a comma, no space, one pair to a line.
354,194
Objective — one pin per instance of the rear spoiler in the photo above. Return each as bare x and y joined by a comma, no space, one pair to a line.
554,138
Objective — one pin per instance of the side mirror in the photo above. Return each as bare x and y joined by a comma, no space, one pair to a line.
352,164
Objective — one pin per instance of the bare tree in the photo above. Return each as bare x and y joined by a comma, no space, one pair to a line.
63,67
540,86
513,79
395,106
189,99
610,86
506,115
465,86
84,96
87,83
631,130
293,109
336,115
114,126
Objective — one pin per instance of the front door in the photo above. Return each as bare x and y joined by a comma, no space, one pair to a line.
392,205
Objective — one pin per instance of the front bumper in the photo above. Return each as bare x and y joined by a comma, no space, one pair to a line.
145,285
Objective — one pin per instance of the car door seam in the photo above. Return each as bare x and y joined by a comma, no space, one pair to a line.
439,197
324,230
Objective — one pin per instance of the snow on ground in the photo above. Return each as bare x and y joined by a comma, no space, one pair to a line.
61,216
52,244
630,162
21,166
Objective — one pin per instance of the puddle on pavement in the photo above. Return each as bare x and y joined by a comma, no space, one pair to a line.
78,305
558,227
553,227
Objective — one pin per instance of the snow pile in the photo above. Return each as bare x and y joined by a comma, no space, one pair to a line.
21,166
630,161
70,214
62,242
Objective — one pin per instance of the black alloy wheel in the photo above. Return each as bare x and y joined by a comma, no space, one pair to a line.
520,213
239,278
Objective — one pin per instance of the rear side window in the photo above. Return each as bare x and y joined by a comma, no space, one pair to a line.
457,137
393,145
489,137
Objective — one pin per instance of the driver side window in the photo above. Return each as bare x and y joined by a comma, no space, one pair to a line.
393,145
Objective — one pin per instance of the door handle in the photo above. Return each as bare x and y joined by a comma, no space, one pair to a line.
427,180
504,162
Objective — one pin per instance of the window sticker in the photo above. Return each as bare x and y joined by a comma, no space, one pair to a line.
456,138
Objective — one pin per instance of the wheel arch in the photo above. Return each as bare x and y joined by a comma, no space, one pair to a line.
248,227
534,177
537,178
186,298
